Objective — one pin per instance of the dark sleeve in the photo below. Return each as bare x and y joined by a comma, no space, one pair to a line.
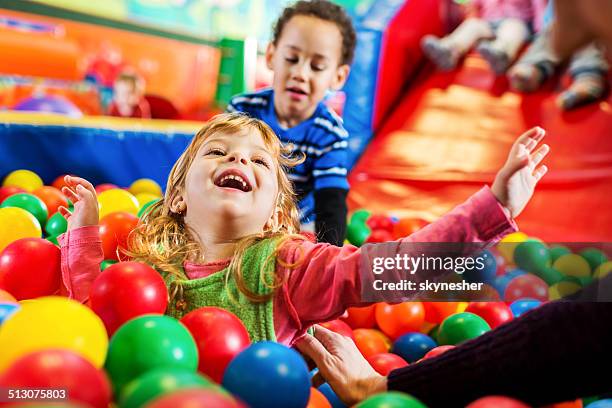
558,352
331,211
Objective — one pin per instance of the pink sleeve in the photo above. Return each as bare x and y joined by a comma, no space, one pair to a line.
81,257
327,278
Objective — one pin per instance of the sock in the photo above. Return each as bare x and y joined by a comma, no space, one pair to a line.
443,55
586,87
497,59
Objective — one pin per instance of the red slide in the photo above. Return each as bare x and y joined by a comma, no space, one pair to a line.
449,134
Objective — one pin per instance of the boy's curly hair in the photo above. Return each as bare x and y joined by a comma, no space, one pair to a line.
325,10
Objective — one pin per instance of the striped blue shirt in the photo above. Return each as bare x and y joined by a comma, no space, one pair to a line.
322,139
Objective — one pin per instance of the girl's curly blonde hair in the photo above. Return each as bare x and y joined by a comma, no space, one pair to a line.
163,240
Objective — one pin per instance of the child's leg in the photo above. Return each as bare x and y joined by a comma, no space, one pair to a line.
588,69
510,37
445,52
535,66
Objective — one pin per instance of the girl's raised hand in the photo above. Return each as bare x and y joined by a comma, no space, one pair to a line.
516,180
83,196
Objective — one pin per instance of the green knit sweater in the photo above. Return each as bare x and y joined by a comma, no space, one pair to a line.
213,290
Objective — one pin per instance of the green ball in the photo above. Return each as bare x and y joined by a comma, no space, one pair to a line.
53,240
106,263
433,333
357,233
461,327
360,216
70,205
391,399
532,256
56,225
30,203
594,257
147,343
558,251
550,275
144,208
158,382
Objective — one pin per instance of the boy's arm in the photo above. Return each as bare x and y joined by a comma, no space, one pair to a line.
331,212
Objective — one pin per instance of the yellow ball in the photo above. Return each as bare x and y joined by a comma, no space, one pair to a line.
572,265
461,306
145,185
144,198
603,270
17,223
26,179
53,323
508,244
562,289
115,200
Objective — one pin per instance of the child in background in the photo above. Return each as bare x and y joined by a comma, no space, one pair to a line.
588,70
128,97
499,27
225,232
310,53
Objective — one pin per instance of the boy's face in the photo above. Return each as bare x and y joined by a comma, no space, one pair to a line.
125,93
306,62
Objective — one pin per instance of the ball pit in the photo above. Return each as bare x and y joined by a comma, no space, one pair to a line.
413,346
24,179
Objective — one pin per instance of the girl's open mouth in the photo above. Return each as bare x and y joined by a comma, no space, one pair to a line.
235,179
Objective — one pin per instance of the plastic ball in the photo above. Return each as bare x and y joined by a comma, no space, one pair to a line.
115,229
219,335
603,403
30,203
126,290
268,375
155,383
461,327
316,400
49,103
380,221
198,397
370,342
145,185
106,263
550,275
522,306
594,257
526,286
100,188
487,273
563,289
361,317
413,346
6,297
379,236
395,320
497,402
407,226
60,369
8,191
357,233
30,268
52,197
603,270
53,323
339,327
558,250
532,256
436,351
331,396
391,399
144,198
56,225
513,273
6,310
360,216
147,343
508,244
572,265
117,200
494,313
25,179
145,207
436,312
60,182
384,363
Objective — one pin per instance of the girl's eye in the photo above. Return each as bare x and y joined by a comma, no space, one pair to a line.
318,68
261,162
215,152
291,60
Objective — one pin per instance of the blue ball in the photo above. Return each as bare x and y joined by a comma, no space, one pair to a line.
604,403
7,309
331,396
486,274
268,374
500,283
515,272
522,306
413,346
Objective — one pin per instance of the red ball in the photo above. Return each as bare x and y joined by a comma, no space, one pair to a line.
361,317
30,268
52,197
317,399
114,231
370,342
103,187
407,226
395,320
8,191
219,336
497,402
59,182
494,313
379,235
126,290
436,351
60,369
340,327
526,286
384,363
379,221
195,397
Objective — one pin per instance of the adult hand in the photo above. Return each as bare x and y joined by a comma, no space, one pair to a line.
341,364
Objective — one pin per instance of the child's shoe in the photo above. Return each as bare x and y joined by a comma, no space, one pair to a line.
441,54
587,87
526,77
497,59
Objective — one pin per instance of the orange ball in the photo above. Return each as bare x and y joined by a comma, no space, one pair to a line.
114,231
59,182
436,312
7,297
395,320
361,317
52,197
317,399
369,342
407,226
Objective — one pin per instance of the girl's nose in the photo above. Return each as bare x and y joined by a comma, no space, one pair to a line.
238,157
